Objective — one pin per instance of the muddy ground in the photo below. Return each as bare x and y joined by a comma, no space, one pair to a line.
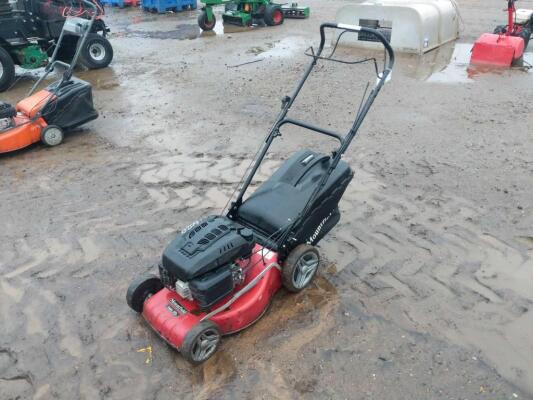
426,287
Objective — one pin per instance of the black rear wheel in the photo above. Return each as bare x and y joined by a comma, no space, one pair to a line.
140,289
204,22
52,135
7,70
300,267
97,52
273,15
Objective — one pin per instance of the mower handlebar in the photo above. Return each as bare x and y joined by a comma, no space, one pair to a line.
91,5
357,28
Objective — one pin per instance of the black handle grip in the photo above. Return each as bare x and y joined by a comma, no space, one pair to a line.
356,28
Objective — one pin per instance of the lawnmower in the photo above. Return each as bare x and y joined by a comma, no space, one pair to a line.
245,12
29,31
65,104
505,47
219,274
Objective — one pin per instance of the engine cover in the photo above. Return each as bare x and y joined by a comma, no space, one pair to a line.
204,246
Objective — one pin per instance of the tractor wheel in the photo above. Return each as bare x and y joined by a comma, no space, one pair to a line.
7,70
273,15
140,289
204,23
97,52
52,135
201,342
300,267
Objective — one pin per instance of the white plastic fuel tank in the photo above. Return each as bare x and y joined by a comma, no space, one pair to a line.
413,26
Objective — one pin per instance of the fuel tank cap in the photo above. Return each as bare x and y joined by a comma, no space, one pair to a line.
246,233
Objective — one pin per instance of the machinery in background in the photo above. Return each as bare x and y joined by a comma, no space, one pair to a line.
506,45
416,27
245,12
68,103
30,29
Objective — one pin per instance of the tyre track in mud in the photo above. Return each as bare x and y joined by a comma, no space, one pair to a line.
422,263
63,280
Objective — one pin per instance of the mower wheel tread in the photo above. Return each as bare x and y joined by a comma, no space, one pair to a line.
8,70
189,348
292,263
140,289
52,135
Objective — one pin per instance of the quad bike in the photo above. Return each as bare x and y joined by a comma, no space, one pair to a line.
245,12
219,274
68,103
505,47
30,29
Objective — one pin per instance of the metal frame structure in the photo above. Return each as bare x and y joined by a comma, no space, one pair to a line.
345,140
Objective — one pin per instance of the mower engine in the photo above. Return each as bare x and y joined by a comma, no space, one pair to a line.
7,112
200,263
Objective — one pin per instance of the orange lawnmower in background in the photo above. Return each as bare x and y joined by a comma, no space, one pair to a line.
65,104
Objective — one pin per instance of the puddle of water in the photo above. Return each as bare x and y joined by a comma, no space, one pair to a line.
185,31
221,28
456,71
182,32
100,79
286,47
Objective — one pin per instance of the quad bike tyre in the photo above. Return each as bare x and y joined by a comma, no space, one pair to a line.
97,52
300,268
204,23
273,15
140,289
52,135
201,342
7,70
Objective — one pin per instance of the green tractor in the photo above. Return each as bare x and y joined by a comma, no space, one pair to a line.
244,12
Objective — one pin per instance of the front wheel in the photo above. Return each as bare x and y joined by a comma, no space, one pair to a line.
300,267
97,52
204,23
7,70
140,289
201,342
273,15
52,135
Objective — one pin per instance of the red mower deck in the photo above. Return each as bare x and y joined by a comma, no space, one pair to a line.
172,316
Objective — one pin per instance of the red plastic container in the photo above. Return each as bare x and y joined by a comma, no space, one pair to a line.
497,50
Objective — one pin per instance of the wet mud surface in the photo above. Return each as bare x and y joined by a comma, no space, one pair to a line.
425,289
